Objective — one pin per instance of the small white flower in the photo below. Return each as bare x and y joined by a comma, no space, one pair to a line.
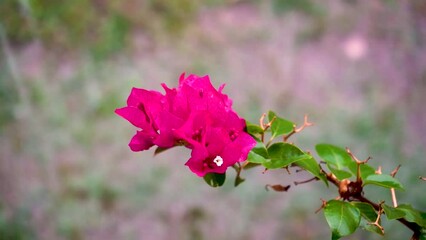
218,160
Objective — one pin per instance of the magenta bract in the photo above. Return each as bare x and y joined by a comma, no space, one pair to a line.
195,115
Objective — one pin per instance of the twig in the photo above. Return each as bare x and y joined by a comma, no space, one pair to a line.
358,162
306,181
324,203
393,173
379,214
410,225
359,197
306,123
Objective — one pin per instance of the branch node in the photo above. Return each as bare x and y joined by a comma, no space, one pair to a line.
377,222
356,159
306,123
269,124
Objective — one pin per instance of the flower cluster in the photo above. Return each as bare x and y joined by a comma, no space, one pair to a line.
195,115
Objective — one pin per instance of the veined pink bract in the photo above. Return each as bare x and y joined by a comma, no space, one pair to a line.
196,114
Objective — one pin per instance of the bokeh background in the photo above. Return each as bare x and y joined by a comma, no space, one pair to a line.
357,68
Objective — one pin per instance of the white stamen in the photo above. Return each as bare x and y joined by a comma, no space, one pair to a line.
218,160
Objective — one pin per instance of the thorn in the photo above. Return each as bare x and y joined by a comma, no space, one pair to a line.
269,124
395,171
306,123
394,201
261,121
324,203
288,170
422,178
379,214
306,181
379,170
393,194
355,158
358,163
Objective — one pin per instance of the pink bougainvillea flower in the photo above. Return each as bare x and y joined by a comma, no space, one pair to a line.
146,110
218,152
201,94
196,115
142,107
216,145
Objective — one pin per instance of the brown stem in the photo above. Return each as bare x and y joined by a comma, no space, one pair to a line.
359,197
412,226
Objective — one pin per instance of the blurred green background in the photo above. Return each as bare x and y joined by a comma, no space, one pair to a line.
357,68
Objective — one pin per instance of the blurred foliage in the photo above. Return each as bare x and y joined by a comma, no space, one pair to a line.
8,97
100,25
73,98
307,7
314,12
83,199
15,227
16,21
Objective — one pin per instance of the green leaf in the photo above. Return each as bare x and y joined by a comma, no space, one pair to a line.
251,165
159,150
342,217
340,174
369,215
311,165
412,215
393,213
333,155
261,150
279,126
365,169
215,179
372,228
254,157
367,211
383,180
338,159
253,128
405,211
283,154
